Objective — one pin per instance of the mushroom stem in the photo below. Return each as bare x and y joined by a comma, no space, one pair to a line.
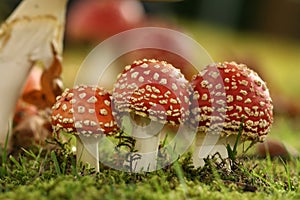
147,147
210,144
147,136
87,151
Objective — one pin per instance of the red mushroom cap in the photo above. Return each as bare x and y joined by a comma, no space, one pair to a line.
241,93
95,20
153,89
85,110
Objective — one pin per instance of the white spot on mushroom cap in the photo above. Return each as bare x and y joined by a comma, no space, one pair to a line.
163,81
156,66
134,74
92,99
155,90
107,102
58,98
64,107
243,82
229,98
248,100
243,92
144,65
103,111
72,101
82,95
173,101
91,111
156,76
71,110
141,79
69,96
214,74
239,98
262,104
174,87
81,109
56,105
78,124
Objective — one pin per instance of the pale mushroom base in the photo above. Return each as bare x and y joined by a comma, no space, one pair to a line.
87,151
147,135
208,145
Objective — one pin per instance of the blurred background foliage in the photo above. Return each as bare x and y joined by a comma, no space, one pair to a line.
280,17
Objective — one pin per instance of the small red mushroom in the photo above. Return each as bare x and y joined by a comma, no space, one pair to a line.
224,95
164,44
95,20
147,95
86,112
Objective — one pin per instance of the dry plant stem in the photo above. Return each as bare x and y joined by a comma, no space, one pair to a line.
27,37
209,145
87,151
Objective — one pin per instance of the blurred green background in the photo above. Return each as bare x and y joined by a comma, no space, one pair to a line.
264,34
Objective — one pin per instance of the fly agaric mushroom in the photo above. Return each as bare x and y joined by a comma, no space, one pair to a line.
86,112
147,95
225,94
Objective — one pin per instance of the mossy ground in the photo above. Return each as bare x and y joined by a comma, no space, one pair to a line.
40,173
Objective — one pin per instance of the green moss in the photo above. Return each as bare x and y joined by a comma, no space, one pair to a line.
33,175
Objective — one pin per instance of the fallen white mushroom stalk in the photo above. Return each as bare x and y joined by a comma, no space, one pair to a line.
27,37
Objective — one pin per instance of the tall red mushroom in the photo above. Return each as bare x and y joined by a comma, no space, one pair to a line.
224,95
86,112
147,95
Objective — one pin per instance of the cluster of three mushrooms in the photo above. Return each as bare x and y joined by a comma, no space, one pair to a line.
149,94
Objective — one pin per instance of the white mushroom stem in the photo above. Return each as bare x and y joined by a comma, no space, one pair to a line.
28,36
87,151
207,145
147,147
147,136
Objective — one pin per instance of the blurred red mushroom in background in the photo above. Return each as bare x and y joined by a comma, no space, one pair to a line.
95,20
170,49
31,123
33,80
29,126
24,110
175,58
